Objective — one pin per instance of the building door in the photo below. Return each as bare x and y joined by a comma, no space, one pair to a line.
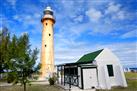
89,78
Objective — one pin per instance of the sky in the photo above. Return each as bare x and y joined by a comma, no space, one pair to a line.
82,26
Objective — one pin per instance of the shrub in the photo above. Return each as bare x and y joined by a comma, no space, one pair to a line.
52,79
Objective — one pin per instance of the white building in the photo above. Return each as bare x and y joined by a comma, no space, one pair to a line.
97,70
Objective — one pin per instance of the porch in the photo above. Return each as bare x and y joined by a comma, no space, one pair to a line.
69,76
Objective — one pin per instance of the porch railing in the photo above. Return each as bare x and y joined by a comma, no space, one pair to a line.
71,79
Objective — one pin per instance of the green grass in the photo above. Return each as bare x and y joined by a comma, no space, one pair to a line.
132,86
130,75
31,88
132,83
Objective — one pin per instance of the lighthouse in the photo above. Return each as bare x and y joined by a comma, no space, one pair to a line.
47,49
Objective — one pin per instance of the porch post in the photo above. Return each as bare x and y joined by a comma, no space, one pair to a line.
58,74
64,75
77,77
61,75
69,80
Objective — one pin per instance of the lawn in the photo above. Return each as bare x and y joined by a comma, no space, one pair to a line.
132,83
31,88
131,80
131,75
132,86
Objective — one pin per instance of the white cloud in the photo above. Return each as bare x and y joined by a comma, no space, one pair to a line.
112,18
43,1
26,18
94,14
1,27
12,2
113,8
61,40
29,20
67,49
77,29
69,8
130,34
116,12
72,54
16,17
68,46
78,18
126,52
37,15
121,15
4,21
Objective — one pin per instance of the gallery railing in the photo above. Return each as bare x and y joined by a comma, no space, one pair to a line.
71,79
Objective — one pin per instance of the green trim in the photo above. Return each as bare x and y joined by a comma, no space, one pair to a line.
89,57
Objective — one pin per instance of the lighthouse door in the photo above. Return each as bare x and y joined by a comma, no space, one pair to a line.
89,78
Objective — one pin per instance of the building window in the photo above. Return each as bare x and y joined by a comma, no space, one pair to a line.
45,45
110,70
49,34
46,24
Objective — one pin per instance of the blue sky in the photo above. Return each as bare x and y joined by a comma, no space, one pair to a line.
82,26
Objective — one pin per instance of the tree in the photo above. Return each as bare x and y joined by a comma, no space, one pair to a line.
17,59
4,49
22,66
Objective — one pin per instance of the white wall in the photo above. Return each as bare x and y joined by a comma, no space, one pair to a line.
79,74
120,76
103,78
90,78
106,57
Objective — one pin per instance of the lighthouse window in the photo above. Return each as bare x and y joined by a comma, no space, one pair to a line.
45,45
49,34
46,24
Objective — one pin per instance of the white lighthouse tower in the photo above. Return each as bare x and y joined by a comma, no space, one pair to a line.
47,50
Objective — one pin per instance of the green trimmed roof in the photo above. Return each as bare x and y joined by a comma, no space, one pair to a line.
89,57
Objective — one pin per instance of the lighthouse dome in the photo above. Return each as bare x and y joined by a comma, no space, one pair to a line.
48,8
48,11
48,14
